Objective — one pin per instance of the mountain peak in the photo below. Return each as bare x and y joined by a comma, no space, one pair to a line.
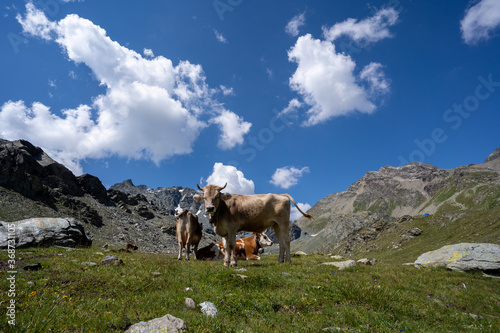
493,156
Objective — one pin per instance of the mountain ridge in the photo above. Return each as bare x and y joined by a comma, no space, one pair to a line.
392,193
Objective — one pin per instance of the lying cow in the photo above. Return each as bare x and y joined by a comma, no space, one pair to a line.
188,231
231,213
130,246
246,248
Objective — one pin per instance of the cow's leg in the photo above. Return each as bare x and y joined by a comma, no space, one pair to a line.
188,247
180,250
277,231
230,246
226,251
286,246
195,249
284,239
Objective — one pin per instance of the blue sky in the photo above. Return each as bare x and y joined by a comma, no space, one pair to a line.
302,97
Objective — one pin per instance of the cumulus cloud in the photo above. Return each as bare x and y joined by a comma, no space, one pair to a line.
293,26
480,21
151,109
287,176
295,214
233,128
235,179
326,79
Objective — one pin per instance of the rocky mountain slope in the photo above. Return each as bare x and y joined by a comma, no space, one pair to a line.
381,198
34,185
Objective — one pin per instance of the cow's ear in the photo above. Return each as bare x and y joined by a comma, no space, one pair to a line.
198,197
225,196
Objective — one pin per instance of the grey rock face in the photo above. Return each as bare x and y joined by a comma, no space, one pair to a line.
464,257
44,232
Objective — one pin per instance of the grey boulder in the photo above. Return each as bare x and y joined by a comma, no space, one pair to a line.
44,232
464,257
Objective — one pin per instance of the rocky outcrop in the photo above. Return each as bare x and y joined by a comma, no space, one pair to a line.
44,232
28,170
464,257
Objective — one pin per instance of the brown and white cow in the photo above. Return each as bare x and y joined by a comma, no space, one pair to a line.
188,231
246,248
231,213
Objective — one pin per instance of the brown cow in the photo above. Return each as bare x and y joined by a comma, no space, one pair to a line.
130,246
231,213
188,231
246,248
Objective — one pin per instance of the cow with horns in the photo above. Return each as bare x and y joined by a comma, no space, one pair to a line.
231,213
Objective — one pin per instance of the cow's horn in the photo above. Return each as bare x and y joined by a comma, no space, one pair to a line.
223,187
199,187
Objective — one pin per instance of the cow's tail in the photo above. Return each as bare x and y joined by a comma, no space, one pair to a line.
309,216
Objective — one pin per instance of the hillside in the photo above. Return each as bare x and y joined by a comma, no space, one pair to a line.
34,185
386,198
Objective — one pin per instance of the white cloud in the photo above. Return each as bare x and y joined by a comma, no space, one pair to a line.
36,23
235,179
326,79
373,74
232,127
480,21
220,37
370,30
295,214
151,109
292,106
148,53
287,176
293,26
226,90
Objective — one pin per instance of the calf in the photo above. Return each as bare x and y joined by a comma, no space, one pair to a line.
188,231
246,248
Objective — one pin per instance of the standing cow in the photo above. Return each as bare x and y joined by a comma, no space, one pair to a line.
188,231
231,213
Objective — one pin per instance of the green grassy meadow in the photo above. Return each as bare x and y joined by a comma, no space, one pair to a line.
67,295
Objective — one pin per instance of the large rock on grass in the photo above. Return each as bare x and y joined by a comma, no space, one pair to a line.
464,257
44,232
167,324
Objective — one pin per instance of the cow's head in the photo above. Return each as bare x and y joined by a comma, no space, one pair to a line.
263,239
212,196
